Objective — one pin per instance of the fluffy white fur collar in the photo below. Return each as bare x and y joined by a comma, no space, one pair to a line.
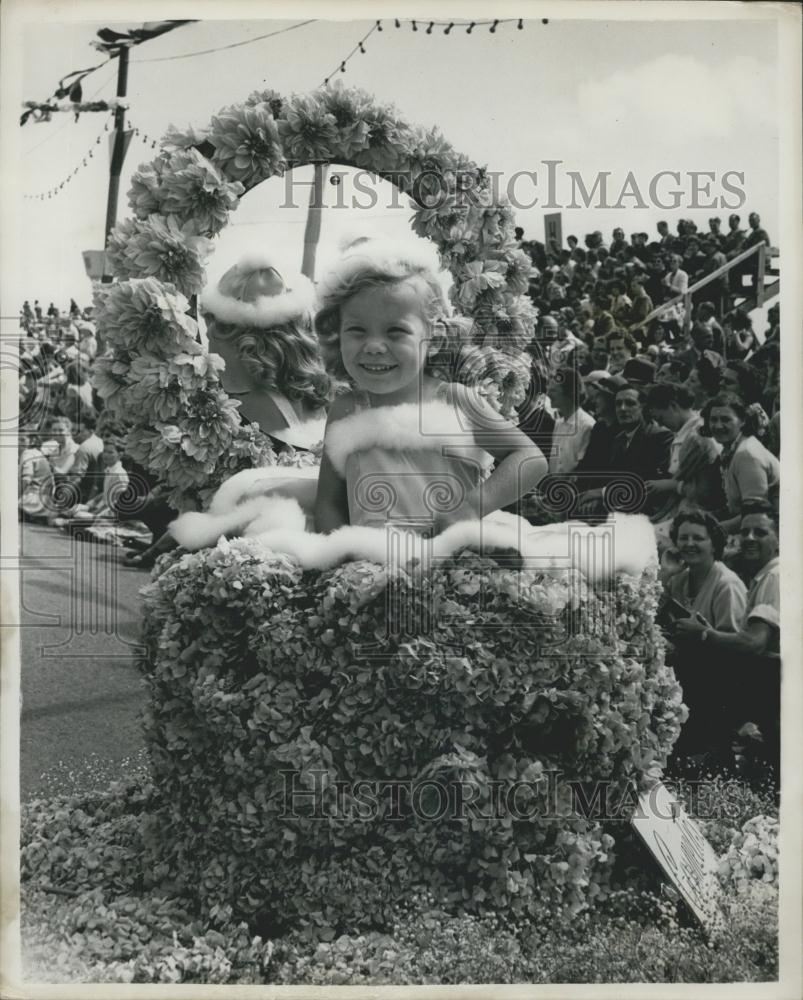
408,427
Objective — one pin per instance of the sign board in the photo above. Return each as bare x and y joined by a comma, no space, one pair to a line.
95,264
553,231
682,851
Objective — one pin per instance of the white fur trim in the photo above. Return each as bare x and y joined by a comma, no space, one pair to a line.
408,427
261,482
381,256
554,548
296,303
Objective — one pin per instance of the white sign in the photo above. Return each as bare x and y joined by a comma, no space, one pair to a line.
682,851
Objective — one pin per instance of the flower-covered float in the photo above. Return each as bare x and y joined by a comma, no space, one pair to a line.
330,731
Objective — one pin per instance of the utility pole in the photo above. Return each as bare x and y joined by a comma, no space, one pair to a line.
312,230
118,150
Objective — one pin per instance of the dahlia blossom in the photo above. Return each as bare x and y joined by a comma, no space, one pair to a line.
350,108
193,188
389,141
247,144
309,131
110,380
174,140
477,277
143,315
144,198
272,98
162,248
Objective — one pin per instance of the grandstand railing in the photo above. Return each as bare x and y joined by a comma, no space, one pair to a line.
755,296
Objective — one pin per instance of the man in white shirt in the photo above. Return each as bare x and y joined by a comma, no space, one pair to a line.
572,423
87,461
672,406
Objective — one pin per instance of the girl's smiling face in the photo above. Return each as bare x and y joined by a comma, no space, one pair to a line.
383,334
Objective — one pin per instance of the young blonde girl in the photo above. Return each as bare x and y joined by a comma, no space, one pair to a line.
404,445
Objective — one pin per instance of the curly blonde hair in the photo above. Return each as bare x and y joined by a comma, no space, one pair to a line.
286,358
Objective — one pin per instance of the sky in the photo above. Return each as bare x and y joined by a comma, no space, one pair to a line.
594,95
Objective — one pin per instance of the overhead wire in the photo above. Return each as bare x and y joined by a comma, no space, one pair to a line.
221,48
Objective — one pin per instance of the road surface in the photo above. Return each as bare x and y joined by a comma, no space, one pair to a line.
81,692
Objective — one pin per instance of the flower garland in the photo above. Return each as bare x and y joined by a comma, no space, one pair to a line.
159,382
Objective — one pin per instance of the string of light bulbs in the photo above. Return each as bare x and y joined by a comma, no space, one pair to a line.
88,155
426,27
56,189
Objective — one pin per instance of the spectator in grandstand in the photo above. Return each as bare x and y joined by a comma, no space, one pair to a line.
113,483
37,309
61,431
600,356
749,470
674,282
744,664
757,234
52,311
640,308
717,290
621,348
672,407
664,236
640,448
74,310
705,586
87,465
694,476
740,339
573,424
563,346
703,381
715,230
742,378
621,303
618,242
707,315
87,341
35,477
702,346
639,371
733,243
672,371
77,402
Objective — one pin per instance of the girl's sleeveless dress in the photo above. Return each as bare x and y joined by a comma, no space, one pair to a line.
405,464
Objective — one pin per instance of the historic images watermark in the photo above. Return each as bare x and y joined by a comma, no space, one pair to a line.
551,795
551,186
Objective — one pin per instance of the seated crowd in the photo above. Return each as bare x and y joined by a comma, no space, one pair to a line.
636,416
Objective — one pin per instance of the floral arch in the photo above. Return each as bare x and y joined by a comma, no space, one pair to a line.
160,383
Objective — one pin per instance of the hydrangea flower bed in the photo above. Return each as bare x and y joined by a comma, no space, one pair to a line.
271,688
92,913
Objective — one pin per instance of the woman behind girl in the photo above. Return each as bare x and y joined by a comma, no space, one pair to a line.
404,445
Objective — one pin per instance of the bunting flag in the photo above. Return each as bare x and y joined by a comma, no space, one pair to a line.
111,42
